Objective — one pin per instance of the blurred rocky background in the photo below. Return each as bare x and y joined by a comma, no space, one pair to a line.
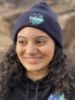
11,9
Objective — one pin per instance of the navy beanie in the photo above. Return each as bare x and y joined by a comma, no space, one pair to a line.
42,17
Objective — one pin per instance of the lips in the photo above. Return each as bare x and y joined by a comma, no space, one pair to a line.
32,60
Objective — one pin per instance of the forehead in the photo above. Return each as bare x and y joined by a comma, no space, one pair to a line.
32,32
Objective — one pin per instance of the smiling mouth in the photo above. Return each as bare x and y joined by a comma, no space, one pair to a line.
33,60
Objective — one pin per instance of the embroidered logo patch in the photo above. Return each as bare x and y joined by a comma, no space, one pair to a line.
56,97
36,18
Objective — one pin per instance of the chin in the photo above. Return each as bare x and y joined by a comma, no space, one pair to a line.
33,68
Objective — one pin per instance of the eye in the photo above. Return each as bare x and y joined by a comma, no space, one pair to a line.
21,42
40,42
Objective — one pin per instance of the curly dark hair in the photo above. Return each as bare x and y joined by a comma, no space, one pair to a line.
11,68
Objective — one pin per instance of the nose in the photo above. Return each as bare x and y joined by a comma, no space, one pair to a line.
31,49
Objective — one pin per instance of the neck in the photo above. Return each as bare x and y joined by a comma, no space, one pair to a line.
37,75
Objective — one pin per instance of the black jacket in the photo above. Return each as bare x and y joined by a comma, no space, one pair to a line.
26,89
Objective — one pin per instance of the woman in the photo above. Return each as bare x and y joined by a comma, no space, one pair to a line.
34,67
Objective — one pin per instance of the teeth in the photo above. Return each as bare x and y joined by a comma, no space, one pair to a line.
32,60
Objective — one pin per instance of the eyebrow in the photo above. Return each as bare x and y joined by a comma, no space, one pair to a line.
20,37
42,37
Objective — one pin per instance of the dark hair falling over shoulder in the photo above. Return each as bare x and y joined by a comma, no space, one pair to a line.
8,73
58,69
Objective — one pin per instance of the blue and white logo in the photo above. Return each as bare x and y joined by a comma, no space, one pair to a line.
56,97
36,18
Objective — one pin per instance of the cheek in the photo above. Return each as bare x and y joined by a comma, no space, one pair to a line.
18,50
48,50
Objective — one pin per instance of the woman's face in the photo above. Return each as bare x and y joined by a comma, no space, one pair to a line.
34,48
